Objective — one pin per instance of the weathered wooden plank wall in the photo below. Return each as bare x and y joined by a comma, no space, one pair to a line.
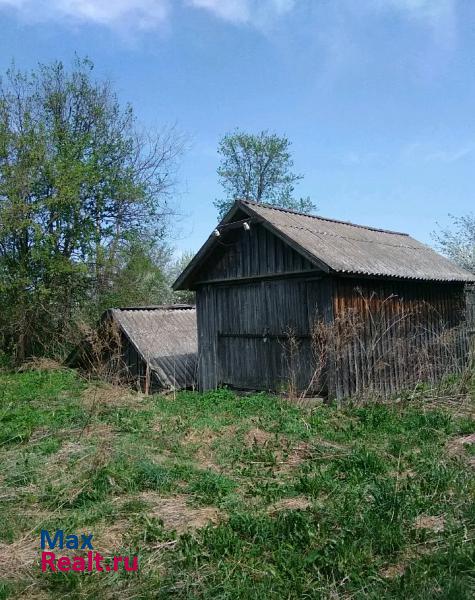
252,253
470,297
253,290
405,332
244,330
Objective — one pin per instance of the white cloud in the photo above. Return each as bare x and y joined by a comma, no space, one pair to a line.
145,14
423,8
142,14
149,14
245,11
238,11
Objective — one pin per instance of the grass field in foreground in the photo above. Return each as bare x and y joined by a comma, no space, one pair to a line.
236,497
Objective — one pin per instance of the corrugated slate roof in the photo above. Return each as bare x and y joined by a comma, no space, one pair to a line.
342,247
166,338
360,250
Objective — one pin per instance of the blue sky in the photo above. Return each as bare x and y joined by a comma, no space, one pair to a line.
377,96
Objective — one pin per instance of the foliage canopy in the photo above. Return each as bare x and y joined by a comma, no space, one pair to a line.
258,167
458,241
79,186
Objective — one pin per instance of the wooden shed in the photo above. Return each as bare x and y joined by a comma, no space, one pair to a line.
153,348
271,284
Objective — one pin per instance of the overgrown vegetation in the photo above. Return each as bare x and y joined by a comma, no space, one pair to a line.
384,344
84,206
236,497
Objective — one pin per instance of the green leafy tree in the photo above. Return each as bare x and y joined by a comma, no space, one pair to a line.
77,183
175,268
258,168
139,276
458,241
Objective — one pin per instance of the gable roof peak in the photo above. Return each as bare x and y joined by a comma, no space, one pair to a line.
252,203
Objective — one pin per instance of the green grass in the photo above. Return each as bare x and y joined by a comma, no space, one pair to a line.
226,497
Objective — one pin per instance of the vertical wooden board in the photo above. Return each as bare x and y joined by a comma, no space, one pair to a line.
242,364
240,253
207,317
420,329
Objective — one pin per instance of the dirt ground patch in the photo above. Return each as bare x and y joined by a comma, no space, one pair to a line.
457,447
434,523
176,514
67,451
297,503
258,437
202,441
393,571
317,448
108,540
97,430
203,437
294,458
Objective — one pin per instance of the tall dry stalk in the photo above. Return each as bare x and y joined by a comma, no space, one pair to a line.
377,349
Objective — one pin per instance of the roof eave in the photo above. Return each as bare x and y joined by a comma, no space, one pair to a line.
365,275
182,281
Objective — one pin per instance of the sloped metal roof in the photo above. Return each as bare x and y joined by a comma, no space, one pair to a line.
166,339
342,247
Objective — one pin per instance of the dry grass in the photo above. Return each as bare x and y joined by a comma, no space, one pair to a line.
258,437
457,447
434,523
37,363
295,456
17,559
178,515
295,503
201,443
380,348
107,395
69,448
109,539
393,571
